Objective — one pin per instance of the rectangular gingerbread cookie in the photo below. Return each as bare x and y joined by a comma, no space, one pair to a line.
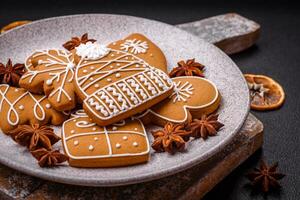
89,145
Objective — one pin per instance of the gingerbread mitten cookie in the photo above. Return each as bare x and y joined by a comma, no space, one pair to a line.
116,84
51,72
89,145
18,106
192,97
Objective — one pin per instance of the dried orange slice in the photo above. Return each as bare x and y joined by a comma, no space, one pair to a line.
265,93
14,25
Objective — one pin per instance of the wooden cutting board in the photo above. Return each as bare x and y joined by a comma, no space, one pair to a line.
230,32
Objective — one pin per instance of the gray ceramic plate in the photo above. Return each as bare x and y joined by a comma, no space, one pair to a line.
177,45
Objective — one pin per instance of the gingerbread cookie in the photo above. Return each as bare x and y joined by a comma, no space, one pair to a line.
18,106
116,84
51,72
192,97
144,48
89,145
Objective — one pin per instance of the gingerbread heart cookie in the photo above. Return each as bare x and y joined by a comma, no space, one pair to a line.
89,145
18,106
51,72
192,97
116,84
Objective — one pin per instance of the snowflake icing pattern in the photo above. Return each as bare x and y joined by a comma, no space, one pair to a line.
135,46
182,92
61,72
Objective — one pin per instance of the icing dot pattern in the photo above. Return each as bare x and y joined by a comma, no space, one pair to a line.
126,93
59,67
38,109
107,135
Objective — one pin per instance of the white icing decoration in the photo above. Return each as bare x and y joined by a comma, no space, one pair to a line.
128,92
135,144
125,93
96,139
147,84
85,71
118,64
84,124
70,65
118,145
134,46
78,113
107,133
109,101
72,131
91,78
91,51
21,107
186,106
49,82
94,128
109,79
137,88
48,105
135,129
16,90
60,72
92,67
98,107
119,97
91,148
182,91
114,128
12,111
76,142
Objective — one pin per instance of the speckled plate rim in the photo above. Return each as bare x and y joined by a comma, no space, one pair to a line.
144,177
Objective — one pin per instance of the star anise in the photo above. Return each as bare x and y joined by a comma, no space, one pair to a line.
258,89
48,158
188,68
34,136
265,177
10,74
171,138
76,41
206,126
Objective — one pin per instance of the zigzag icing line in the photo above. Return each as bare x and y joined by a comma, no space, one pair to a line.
137,88
124,88
108,101
98,107
119,96
156,80
144,80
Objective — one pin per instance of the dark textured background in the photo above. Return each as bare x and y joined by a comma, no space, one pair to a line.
277,54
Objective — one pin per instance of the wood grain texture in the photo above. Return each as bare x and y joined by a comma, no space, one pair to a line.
189,184
231,32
